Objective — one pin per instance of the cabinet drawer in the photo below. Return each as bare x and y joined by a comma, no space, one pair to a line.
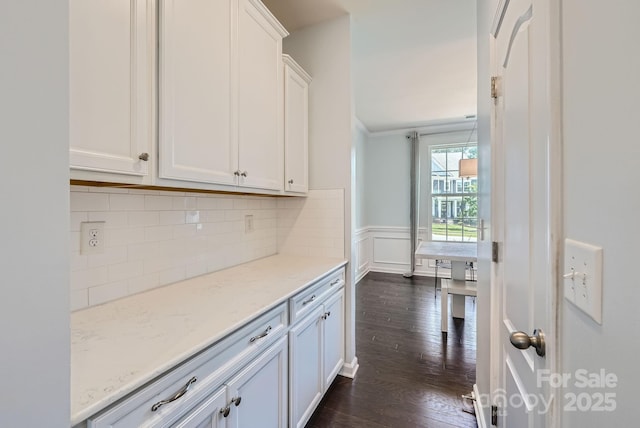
209,369
307,300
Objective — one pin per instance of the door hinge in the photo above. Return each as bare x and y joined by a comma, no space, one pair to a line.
494,416
495,252
495,80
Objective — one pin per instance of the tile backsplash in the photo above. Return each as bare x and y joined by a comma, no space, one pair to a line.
153,238
312,226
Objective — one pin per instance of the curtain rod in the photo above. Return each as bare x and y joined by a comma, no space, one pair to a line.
441,132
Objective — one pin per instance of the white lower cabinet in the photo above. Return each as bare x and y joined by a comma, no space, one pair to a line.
262,375
333,337
305,384
208,414
316,349
255,397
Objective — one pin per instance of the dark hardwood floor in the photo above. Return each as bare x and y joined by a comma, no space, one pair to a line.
408,376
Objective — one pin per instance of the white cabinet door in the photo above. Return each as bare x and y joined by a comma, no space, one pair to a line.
305,369
296,127
333,330
260,97
111,64
208,413
258,394
197,140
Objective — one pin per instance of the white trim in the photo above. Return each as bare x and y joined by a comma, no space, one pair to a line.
350,369
361,126
499,17
266,13
556,214
362,261
365,259
448,125
478,408
296,67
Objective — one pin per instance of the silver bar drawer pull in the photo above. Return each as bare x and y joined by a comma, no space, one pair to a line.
177,396
334,282
309,300
261,335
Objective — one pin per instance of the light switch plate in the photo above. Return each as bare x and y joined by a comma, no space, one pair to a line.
583,277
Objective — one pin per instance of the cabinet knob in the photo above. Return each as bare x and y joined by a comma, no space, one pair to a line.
236,400
236,173
291,181
244,174
144,157
225,411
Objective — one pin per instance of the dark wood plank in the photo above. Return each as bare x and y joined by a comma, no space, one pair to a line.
409,376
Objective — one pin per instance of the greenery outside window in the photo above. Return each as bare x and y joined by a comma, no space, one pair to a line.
454,199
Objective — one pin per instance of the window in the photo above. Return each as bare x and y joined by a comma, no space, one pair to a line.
454,199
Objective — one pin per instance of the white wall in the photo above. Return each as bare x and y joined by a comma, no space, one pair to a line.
34,219
324,51
601,205
387,177
361,214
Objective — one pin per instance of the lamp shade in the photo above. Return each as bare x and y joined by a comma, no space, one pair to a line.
468,168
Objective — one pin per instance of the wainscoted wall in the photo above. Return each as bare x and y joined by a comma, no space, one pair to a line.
154,238
312,226
387,249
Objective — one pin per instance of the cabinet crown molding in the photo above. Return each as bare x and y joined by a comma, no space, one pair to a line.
270,17
296,67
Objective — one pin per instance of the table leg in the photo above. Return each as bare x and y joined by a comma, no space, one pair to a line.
444,308
458,272
457,310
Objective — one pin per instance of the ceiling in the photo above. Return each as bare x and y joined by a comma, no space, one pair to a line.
414,61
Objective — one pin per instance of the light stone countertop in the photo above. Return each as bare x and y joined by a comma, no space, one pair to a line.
119,346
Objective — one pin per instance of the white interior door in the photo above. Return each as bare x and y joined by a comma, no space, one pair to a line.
524,276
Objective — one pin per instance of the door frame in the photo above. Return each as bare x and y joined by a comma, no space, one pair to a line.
553,58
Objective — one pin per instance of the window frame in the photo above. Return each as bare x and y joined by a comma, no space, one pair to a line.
446,195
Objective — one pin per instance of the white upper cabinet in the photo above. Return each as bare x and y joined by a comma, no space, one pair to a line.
111,97
221,93
197,140
260,100
296,127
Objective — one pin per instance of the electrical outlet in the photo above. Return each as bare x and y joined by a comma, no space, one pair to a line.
92,237
583,277
248,223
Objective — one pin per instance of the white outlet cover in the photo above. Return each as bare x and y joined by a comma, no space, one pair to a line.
91,237
583,277
248,223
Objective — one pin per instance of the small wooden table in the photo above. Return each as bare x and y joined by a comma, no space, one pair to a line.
459,253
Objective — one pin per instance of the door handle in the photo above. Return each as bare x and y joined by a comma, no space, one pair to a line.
522,340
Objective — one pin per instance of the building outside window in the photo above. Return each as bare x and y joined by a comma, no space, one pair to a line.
454,199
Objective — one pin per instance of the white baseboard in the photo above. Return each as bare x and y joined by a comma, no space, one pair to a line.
477,406
350,369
